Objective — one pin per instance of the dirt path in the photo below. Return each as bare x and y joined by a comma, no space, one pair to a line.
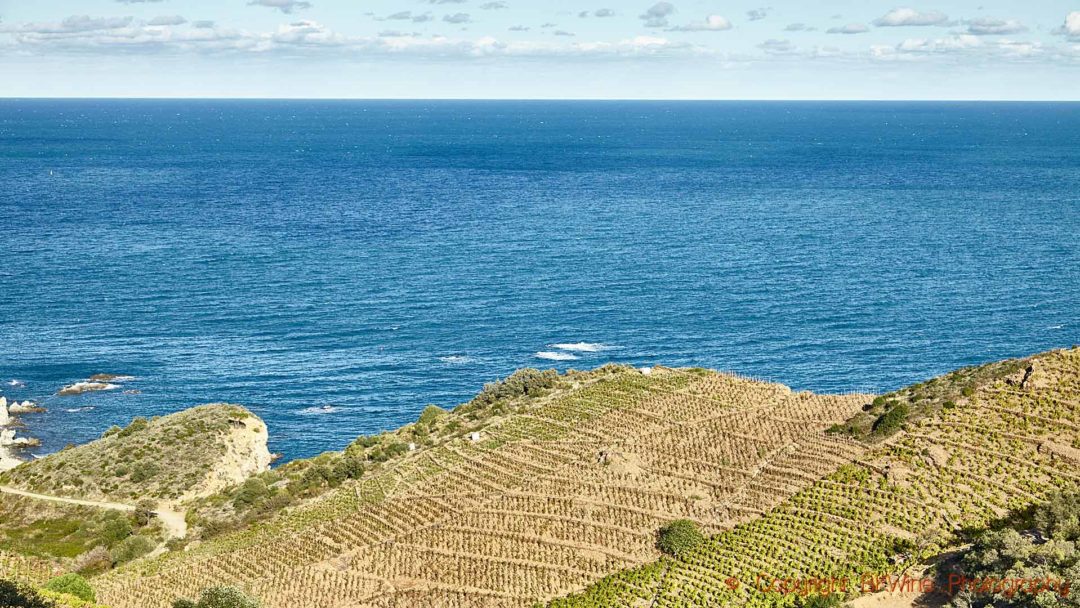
171,520
115,506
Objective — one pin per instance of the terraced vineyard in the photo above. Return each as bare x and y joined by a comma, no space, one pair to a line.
1004,445
547,500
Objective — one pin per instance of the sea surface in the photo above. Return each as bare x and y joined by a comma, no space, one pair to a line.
377,256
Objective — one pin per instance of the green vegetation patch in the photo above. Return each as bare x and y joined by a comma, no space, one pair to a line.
159,458
888,413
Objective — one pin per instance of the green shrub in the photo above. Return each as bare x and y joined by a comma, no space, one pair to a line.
251,492
430,416
144,471
15,595
349,467
524,382
137,424
116,529
890,421
72,584
679,537
1047,551
219,597
131,548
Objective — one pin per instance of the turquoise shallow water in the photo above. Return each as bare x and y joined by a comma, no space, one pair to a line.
378,256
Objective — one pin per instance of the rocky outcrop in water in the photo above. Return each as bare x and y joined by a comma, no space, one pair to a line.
97,382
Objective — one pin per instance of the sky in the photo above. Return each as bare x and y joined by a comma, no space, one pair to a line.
542,49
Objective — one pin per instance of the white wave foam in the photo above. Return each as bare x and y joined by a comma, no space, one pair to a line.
581,347
456,359
555,356
73,410
320,409
16,383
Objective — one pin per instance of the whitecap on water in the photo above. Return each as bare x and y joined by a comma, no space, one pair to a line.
555,356
320,409
73,410
456,359
582,347
16,383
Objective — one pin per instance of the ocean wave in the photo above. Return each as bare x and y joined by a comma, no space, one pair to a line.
582,347
16,383
320,409
456,359
555,356
88,408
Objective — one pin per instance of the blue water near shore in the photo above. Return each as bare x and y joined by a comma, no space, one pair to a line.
379,256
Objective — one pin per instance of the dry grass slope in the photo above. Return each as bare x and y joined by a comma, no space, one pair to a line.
553,497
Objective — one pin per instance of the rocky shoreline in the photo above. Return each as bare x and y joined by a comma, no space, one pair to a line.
10,443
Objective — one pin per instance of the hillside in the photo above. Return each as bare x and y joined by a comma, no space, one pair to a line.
551,490
1005,444
557,492
191,453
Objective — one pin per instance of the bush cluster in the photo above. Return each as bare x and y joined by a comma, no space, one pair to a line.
679,537
219,597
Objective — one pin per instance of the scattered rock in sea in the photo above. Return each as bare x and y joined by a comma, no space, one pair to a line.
26,407
9,440
97,382
5,416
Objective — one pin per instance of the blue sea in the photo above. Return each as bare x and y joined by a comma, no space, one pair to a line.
377,256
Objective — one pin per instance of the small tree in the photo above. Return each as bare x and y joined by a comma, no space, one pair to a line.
72,584
219,597
679,537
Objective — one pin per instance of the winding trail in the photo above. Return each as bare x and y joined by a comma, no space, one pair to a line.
173,521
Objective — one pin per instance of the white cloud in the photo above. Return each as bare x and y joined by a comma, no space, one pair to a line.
202,24
491,6
137,1
285,6
900,17
657,14
408,16
86,35
799,27
603,12
74,24
519,28
774,46
757,14
457,18
712,23
1072,25
851,28
994,27
167,20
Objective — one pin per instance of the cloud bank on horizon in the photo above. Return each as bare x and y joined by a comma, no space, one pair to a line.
620,39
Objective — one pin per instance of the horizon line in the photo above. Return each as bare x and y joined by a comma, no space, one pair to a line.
534,99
